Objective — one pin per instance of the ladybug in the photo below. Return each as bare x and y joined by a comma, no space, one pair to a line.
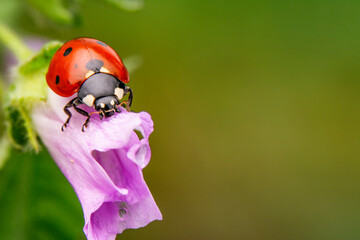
95,72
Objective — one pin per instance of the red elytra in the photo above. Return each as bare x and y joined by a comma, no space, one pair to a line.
77,60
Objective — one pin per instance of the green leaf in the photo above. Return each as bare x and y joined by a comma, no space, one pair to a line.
36,201
128,5
42,59
54,10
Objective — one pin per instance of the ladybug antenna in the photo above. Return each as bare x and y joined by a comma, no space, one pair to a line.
103,112
98,112
126,105
95,113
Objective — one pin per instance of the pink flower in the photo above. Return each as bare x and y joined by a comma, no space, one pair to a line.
103,164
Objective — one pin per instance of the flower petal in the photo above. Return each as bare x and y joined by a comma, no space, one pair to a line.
103,164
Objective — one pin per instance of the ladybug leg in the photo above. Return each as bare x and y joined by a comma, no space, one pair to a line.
66,110
129,102
85,124
82,112
101,115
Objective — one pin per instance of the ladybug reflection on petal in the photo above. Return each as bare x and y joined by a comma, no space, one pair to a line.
95,72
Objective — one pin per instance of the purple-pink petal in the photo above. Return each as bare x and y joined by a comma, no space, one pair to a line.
103,164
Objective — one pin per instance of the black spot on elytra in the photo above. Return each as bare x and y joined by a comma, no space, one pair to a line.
95,65
75,65
57,80
101,43
67,51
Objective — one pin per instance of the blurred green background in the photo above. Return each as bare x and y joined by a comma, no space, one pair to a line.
256,111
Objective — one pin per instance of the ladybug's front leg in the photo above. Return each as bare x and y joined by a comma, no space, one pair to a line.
129,101
82,112
66,110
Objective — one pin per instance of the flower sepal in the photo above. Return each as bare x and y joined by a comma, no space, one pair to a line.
28,88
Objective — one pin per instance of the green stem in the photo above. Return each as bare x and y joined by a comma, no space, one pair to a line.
4,150
13,42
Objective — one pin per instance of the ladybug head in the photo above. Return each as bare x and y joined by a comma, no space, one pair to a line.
107,106
103,92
